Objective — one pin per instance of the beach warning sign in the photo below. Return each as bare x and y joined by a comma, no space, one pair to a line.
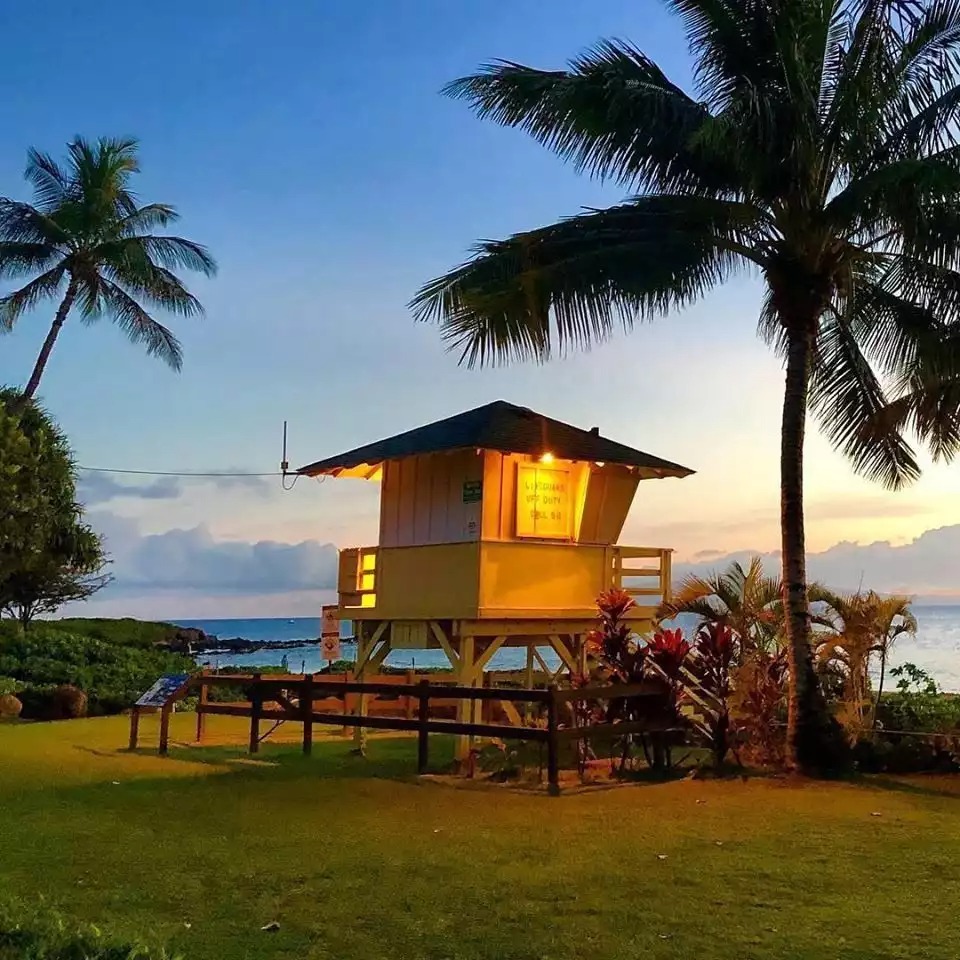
330,633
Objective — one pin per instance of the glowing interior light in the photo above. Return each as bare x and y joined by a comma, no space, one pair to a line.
547,458
600,463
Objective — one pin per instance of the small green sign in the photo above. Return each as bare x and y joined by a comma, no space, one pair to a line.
472,491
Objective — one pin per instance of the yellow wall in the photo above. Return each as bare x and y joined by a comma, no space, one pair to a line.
541,577
431,582
422,499
606,500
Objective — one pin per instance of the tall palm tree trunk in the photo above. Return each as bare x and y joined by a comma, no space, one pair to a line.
812,746
52,334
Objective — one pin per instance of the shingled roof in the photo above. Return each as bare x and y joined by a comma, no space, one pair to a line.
506,428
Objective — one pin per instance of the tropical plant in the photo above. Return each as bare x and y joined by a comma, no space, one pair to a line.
855,628
86,241
614,646
819,151
48,555
715,652
758,705
919,704
746,601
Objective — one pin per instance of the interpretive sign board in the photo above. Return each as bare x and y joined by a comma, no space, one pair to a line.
163,689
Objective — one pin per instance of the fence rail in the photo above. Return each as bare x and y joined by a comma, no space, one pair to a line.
294,698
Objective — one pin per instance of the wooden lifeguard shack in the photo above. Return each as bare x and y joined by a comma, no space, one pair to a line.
498,527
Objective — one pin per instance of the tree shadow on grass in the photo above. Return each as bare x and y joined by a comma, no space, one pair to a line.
918,785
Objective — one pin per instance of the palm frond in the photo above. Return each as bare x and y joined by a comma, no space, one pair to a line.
572,284
17,258
140,327
613,114
23,223
176,253
147,217
848,398
15,304
51,184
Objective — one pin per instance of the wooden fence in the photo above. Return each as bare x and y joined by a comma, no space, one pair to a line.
311,700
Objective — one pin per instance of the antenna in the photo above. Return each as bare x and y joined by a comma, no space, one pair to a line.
284,463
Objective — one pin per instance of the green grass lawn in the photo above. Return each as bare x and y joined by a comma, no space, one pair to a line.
356,859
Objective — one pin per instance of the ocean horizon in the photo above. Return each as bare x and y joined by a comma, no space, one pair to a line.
936,648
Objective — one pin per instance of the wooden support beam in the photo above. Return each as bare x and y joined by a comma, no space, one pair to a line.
134,728
446,646
165,711
569,660
464,676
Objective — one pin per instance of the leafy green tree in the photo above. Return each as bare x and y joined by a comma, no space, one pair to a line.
817,151
48,555
88,243
745,600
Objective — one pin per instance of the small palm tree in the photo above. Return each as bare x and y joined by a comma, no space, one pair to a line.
748,602
855,628
86,241
819,152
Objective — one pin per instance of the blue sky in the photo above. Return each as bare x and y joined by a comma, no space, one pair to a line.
308,146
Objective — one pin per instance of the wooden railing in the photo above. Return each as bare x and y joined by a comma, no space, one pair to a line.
297,698
656,578
640,571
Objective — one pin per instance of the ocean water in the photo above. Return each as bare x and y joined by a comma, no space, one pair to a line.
936,648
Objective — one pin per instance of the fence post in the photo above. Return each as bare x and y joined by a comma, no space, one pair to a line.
306,707
202,701
165,728
423,715
407,699
553,744
134,727
256,707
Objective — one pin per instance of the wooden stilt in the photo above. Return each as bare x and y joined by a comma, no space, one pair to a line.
528,681
134,728
165,712
465,677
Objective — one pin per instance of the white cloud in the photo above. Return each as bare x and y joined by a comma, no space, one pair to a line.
194,561
180,570
926,566
95,488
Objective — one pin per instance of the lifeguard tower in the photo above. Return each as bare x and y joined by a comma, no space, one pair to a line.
498,527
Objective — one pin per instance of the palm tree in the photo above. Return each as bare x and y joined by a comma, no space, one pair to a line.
818,151
87,241
744,600
857,627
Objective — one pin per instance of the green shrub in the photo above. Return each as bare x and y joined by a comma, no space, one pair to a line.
918,704
109,671
48,936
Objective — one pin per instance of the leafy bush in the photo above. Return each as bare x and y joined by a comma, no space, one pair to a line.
880,754
759,704
716,649
110,672
47,936
918,704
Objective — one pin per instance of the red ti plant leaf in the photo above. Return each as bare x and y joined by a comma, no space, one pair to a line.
669,650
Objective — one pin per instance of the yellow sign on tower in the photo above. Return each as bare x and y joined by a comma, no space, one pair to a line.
544,502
